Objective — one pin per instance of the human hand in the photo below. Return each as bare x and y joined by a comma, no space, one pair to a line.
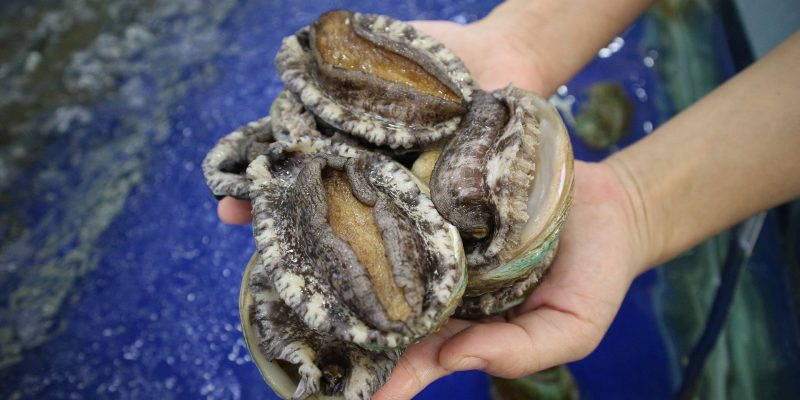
567,314
234,211
495,57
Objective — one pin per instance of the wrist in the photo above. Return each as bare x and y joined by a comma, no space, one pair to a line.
639,214
512,45
559,38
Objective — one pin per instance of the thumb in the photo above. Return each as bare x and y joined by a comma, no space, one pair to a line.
525,344
419,366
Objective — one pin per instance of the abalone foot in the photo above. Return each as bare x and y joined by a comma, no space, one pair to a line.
300,363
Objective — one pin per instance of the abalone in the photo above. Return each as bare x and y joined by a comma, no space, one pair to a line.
289,118
505,181
354,262
376,78
605,116
353,244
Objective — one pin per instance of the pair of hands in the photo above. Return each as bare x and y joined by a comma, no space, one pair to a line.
569,312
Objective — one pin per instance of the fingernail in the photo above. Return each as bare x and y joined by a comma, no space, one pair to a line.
470,363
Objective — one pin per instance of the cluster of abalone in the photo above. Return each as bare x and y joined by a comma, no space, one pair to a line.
388,193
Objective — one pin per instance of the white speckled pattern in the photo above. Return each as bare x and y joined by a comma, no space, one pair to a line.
317,358
290,119
239,146
509,174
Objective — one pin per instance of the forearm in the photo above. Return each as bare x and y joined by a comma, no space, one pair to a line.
732,154
561,36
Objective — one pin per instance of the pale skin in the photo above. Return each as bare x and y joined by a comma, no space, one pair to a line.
727,157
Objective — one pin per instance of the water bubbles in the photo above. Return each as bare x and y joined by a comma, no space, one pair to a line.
207,389
169,383
133,351
612,48
650,58
238,354
616,44
641,94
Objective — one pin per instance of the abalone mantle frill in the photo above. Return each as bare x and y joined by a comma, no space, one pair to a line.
358,257
383,109
224,166
325,364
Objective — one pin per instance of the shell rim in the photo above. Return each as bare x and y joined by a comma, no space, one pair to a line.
567,175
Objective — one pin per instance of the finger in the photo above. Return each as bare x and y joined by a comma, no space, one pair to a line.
234,211
526,344
419,365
